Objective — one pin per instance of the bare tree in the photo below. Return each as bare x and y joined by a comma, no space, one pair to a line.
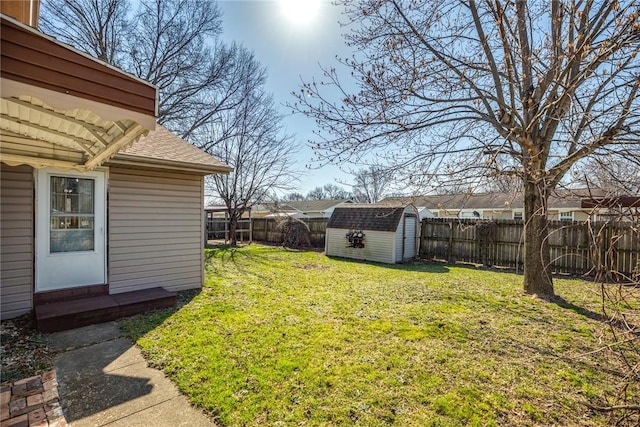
317,193
617,178
619,306
169,43
327,192
371,184
251,139
504,184
488,87
100,27
334,191
295,196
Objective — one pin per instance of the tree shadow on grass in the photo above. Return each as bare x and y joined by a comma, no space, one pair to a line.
417,266
232,254
585,312
590,314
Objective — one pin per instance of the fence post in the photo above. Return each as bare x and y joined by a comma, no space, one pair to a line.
450,259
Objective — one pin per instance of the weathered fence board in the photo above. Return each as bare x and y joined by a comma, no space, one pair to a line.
576,248
217,228
264,229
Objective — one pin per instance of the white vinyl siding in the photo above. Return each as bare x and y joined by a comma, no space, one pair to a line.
16,240
378,245
155,230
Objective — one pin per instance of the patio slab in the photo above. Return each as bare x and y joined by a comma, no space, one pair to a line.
110,383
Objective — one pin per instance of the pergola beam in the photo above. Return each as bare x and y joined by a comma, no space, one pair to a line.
79,141
39,162
91,128
126,138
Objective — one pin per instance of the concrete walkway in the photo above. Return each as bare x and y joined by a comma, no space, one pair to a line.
103,380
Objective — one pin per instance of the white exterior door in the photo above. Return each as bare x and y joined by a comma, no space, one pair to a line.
70,229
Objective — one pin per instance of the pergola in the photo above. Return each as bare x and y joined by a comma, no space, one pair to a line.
61,108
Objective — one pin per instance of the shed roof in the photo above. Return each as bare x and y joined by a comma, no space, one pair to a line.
366,217
163,148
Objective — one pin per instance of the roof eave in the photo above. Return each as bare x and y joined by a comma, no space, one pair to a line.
69,71
77,51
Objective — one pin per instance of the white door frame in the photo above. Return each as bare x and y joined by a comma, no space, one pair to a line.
62,270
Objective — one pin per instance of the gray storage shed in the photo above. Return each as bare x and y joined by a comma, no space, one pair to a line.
380,233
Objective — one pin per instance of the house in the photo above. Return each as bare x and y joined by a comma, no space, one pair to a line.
317,208
285,215
101,209
304,209
300,208
373,232
615,208
564,205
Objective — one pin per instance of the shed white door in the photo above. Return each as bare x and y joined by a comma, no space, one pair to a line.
409,246
70,229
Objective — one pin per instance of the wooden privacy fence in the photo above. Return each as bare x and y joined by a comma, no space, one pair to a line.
218,229
264,229
577,248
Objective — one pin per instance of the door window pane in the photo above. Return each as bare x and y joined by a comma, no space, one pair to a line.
72,210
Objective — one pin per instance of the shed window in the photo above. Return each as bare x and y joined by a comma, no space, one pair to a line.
518,215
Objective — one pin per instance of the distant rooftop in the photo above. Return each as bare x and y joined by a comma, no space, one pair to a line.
315,205
558,199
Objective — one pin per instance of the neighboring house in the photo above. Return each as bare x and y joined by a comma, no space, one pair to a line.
373,232
97,219
317,208
564,205
283,215
261,210
296,209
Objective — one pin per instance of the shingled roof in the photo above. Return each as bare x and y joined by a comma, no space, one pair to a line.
165,149
366,217
562,198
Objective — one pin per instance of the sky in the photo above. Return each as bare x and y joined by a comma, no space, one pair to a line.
291,46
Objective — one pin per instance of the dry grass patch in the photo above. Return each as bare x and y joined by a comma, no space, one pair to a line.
296,338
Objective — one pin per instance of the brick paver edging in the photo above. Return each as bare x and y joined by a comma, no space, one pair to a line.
32,402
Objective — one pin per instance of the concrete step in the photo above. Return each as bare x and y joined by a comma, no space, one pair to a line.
61,315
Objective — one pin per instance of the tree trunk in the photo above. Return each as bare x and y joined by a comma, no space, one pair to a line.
233,225
537,258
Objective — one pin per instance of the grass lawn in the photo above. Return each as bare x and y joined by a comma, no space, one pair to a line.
279,337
